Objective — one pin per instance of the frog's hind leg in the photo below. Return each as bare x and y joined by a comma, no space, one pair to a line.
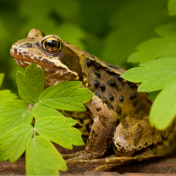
159,150
113,160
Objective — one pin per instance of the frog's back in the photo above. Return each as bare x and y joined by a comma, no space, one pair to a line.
104,80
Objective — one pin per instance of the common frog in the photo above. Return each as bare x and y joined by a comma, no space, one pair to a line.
117,115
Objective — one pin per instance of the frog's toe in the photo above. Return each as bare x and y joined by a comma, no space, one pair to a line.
78,156
86,162
71,155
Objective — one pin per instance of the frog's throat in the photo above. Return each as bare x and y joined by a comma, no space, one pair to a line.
55,71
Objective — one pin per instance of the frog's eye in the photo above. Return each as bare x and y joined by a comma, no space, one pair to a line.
52,44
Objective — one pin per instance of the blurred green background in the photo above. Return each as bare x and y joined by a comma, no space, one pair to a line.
111,29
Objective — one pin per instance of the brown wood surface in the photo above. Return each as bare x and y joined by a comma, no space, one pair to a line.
163,166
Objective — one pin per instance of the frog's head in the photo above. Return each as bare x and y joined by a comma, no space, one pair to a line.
59,59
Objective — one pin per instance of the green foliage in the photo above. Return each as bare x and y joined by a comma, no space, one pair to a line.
14,113
66,96
6,95
14,142
171,7
17,134
164,107
39,111
154,75
133,22
158,74
164,46
1,78
31,84
57,129
42,158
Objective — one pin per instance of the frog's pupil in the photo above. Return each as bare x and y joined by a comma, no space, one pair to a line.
52,43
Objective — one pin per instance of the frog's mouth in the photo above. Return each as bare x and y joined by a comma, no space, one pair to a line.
55,71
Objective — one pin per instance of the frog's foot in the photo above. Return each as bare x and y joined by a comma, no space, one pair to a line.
105,163
113,159
77,156
72,155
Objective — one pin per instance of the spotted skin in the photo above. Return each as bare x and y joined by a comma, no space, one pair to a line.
115,108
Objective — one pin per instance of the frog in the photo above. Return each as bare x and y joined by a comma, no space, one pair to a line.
115,125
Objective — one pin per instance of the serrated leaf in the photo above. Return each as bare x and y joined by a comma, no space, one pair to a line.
154,75
164,46
39,111
42,158
66,96
12,114
163,110
31,84
172,7
14,143
6,95
1,78
58,130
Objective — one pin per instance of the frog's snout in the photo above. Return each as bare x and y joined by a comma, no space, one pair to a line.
13,50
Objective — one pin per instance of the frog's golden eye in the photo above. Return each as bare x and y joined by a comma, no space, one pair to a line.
52,44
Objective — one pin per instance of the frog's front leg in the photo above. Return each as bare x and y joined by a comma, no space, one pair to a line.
102,130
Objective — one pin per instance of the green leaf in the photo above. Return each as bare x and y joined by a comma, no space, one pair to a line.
6,95
154,75
163,110
14,143
42,158
12,114
1,78
167,31
132,24
58,130
39,111
164,46
66,96
172,7
31,84
153,95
